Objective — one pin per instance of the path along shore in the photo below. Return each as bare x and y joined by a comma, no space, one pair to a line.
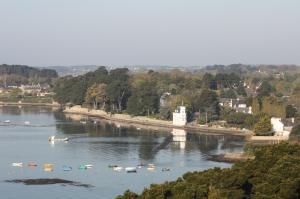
142,120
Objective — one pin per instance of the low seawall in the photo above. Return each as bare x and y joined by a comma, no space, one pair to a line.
141,120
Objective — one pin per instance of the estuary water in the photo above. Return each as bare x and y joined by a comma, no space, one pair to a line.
25,138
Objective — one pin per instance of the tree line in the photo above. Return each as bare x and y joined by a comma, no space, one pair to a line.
141,93
21,74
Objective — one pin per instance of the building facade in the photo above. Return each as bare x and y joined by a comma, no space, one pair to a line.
179,116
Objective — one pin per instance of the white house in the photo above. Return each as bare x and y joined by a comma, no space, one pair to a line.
282,127
32,89
179,116
239,105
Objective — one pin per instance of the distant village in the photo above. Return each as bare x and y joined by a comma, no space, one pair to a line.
36,90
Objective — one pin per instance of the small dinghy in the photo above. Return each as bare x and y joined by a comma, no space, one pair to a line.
17,164
48,167
32,164
117,168
151,167
141,165
130,169
67,168
53,139
82,167
165,169
88,166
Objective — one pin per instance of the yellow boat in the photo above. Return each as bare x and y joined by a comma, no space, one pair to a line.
48,167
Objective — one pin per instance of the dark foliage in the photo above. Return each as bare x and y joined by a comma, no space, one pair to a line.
274,173
19,74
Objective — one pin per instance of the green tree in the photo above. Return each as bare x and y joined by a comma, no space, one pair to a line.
263,126
209,82
273,107
290,111
241,91
96,94
256,105
144,99
208,103
230,94
295,133
265,89
118,89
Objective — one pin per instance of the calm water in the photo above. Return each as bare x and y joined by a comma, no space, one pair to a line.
101,145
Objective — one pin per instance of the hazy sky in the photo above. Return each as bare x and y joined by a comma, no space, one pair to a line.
149,32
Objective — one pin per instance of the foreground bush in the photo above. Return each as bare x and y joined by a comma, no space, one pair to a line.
274,173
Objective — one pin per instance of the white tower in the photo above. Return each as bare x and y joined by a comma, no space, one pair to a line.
179,116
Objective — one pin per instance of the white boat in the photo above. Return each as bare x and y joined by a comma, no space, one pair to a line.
17,164
88,166
52,139
151,167
26,122
117,168
130,169
7,121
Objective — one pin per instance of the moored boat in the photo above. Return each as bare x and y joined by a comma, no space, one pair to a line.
130,169
82,167
17,164
32,164
165,169
48,167
117,168
151,167
67,168
88,166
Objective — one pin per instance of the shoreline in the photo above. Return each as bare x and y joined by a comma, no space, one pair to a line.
29,104
231,157
148,122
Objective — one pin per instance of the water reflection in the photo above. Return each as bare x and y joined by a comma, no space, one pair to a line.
179,137
122,138
34,110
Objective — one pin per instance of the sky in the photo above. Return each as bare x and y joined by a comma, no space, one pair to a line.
149,32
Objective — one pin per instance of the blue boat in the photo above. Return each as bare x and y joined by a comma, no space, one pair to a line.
67,168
